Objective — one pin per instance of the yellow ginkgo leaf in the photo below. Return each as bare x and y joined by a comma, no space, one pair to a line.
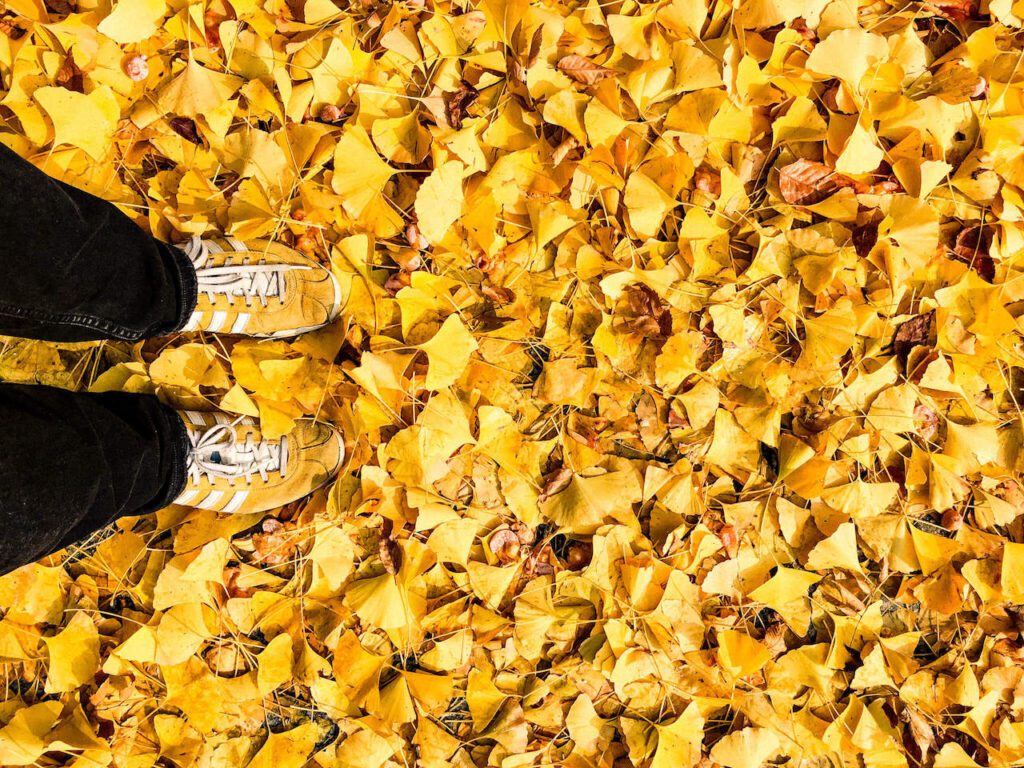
359,172
74,655
275,664
23,739
319,11
197,90
679,742
290,749
837,551
861,153
132,21
1012,580
648,204
848,54
746,748
740,654
448,353
786,592
587,502
84,121
439,200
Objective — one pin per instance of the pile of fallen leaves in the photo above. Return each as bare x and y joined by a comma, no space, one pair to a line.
680,368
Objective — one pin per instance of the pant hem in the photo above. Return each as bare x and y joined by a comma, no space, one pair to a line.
179,450
73,319
188,287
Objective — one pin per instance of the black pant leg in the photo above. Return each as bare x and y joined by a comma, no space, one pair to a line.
74,268
73,462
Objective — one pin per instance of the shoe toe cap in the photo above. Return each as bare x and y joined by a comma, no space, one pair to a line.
322,444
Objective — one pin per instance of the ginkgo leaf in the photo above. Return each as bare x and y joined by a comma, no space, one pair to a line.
132,21
679,741
275,664
583,70
74,654
837,551
586,502
848,54
740,654
84,121
23,739
197,90
439,201
448,353
746,748
289,749
359,174
861,153
648,204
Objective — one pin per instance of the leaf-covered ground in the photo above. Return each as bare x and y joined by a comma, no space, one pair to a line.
680,368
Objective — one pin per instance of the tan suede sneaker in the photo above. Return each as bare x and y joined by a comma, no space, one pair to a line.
260,288
233,468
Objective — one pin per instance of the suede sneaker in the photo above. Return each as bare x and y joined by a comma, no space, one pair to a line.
233,468
261,288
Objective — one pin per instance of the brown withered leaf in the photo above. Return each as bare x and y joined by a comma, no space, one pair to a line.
70,76
554,482
60,7
562,150
388,549
583,70
505,545
730,542
954,10
643,312
864,238
915,332
972,248
226,659
707,180
806,182
578,555
10,28
457,104
277,541
499,294
186,128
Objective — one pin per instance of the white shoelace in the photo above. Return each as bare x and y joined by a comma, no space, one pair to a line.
246,281
218,454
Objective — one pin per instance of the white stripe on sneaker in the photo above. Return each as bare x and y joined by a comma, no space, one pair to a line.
199,418
236,502
238,245
213,500
186,498
218,320
193,322
240,322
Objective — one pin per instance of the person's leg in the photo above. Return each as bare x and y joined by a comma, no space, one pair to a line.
73,462
74,268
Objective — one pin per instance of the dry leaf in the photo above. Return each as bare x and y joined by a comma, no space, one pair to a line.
583,70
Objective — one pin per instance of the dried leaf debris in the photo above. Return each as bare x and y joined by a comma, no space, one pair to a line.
681,368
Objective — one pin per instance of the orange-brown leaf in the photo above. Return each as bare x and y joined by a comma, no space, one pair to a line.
583,70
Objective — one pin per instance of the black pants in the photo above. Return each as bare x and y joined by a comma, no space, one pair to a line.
74,268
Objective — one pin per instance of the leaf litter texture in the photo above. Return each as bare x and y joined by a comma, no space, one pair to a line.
680,370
